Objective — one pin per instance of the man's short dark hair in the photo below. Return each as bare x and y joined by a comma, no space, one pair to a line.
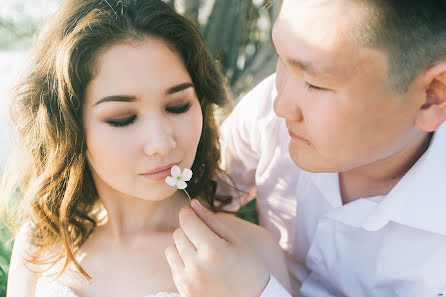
412,32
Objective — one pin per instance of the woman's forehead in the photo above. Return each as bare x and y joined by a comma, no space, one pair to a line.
125,68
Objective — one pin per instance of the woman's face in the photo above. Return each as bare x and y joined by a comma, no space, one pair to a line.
141,116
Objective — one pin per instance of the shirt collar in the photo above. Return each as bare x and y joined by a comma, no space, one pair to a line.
419,198
328,185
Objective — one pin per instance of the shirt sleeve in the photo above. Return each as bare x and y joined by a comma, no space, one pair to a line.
240,140
274,289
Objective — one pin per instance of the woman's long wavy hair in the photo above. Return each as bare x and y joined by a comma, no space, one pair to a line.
59,198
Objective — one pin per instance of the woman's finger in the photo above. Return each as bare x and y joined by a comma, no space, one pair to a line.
184,246
213,222
178,271
196,230
174,260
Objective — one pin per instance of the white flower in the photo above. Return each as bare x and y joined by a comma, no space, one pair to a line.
179,179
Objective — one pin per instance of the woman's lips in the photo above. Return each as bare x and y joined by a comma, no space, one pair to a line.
159,173
157,176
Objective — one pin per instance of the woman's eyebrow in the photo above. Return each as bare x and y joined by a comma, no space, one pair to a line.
116,98
179,88
124,98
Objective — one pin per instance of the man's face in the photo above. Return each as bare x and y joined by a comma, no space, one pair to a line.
334,94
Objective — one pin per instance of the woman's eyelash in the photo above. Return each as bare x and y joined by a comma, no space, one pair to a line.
128,121
122,122
178,109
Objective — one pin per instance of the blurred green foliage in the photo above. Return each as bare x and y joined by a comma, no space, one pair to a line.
5,255
18,34
249,212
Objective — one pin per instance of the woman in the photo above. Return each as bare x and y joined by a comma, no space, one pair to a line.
118,93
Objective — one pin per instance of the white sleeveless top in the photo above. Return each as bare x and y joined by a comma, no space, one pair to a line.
51,288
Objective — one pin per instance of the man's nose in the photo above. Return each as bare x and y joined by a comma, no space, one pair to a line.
159,139
286,103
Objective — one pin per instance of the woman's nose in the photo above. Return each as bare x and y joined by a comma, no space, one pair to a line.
159,140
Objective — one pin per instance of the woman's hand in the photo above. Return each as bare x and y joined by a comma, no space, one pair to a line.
209,260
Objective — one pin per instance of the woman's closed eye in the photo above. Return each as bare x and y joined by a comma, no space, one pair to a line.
122,122
126,121
178,109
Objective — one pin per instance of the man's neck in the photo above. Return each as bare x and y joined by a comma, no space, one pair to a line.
379,178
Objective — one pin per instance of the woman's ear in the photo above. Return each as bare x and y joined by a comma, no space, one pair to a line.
433,112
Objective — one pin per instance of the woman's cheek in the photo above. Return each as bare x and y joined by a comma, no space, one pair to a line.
192,125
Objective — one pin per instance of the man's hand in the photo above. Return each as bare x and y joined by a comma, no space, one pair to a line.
209,260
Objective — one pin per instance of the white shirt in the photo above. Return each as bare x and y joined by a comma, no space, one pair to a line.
378,246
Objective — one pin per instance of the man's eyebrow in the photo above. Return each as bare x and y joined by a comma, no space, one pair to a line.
116,98
179,88
311,69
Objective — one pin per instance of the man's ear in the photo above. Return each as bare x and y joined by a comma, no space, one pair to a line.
433,111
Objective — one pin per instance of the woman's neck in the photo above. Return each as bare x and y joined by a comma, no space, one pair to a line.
128,217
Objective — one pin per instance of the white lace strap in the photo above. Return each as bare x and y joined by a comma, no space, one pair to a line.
164,295
52,288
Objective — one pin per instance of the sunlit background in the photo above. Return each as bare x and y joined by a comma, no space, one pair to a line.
18,22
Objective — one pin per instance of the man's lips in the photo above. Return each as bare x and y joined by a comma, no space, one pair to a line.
296,137
159,173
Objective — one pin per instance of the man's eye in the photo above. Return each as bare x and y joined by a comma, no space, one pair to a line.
178,109
314,88
122,122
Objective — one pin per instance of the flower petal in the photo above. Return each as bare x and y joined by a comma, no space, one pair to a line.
175,171
181,185
187,174
171,181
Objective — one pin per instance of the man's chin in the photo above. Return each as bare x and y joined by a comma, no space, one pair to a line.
309,164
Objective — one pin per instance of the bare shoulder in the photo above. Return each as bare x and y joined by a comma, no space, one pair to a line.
261,242
21,278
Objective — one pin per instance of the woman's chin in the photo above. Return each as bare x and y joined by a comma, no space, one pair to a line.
157,194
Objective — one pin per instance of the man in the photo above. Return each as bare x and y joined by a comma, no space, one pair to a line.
361,102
